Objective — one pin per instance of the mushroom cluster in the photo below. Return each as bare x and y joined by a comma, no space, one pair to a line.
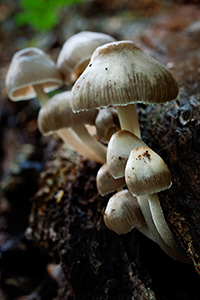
107,78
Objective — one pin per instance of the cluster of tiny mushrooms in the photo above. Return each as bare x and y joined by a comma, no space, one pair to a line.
106,77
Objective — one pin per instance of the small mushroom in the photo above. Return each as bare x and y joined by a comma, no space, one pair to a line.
32,73
107,123
147,174
57,115
123,213
76,52
120,74
106,183
119,149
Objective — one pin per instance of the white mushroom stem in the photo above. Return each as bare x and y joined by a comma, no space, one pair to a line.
41,95
69,136
174,251
128,119
160,222
91,143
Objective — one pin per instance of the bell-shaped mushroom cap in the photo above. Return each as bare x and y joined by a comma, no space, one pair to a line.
107,123
123,213
146,172
76,52
28,67
106,183
120,73
57,114
119,149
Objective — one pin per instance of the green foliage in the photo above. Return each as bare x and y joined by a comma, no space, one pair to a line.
41,15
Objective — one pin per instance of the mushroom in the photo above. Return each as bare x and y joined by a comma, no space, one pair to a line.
119,149
123,213
147,174
120,74
106,183
107,123
76,52
32,73
57,115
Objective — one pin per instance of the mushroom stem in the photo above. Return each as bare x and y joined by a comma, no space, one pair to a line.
41,95
91,143
175,253
128,119
160,222
71,138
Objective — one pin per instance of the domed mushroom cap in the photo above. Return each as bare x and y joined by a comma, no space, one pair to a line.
123,213
146,172
107,123
106,183
28,67
120,73
76,52
120,146
57,114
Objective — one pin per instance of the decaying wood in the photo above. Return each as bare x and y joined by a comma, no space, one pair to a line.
66,218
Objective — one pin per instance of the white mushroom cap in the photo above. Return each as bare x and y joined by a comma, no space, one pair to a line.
76,52
28,67
106,183
107,123
146,172
57,114
123,213
120,73
119,149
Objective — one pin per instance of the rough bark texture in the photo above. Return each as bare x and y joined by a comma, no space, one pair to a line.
66,217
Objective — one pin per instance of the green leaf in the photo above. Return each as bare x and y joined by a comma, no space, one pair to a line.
41,15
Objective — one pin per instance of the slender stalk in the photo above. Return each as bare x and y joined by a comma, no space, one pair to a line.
91,143
128,119
176,253
41,95
71,138
160,223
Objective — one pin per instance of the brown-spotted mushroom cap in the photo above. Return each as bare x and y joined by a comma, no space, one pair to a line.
29,67
106,183
146,172
76,52
123,213
120,74
57,114
120,146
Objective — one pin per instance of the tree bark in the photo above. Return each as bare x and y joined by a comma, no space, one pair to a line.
67,216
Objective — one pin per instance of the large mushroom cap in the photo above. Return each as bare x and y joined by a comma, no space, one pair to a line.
28,67
120,73
57,114
76,52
